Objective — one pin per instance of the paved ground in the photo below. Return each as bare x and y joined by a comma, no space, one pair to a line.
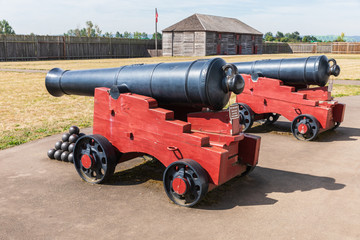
300,190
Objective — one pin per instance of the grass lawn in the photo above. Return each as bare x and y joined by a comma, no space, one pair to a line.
28,111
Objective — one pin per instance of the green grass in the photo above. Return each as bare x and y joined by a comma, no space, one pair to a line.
17,136
341,90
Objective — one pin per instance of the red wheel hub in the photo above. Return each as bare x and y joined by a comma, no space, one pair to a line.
303,128
87,161
180,185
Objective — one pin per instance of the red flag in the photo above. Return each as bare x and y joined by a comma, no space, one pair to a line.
156,15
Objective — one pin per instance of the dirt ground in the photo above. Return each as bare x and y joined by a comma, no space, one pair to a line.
300,190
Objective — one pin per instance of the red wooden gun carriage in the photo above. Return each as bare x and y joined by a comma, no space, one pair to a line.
171,111
283,87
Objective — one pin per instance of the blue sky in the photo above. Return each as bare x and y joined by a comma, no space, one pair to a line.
309,17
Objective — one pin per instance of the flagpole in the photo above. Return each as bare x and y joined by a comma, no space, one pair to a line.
156,48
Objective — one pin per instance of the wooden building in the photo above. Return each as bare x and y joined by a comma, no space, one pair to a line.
202,35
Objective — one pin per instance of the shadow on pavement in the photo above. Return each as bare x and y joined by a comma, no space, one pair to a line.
253,189
278,127
143,172
340,134
284,128
240,191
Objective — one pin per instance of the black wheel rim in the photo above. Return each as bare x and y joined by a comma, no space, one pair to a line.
103,158
337,124
196,178
271,118
246,116
248,170
311,124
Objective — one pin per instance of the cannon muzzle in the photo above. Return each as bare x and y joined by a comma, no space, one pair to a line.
201,83
314,70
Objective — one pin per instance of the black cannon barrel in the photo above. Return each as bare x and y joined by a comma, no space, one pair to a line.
205,83
314,70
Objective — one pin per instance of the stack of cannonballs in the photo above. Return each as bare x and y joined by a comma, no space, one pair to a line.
63,150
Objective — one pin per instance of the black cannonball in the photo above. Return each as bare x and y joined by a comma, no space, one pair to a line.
73,138
58,145
71,147
57,154
74,130
51,153
64,156
65,137
81,134
64,146
71,157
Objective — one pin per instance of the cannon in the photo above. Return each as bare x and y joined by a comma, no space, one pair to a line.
170,111
201,83
314,70
285,87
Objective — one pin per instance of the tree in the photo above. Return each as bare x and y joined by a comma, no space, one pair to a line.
144,35
279,35
89,31
97,31
159,36
5,27
137,35
108,34
127,34
340,38
118,35
293,37
269,37
308,38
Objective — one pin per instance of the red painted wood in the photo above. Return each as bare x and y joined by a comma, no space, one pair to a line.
338,112
180,185
217,122
87,161
268,95
218,49
135,125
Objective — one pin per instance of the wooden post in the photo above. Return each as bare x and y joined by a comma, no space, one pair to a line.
64,47
37,48
5,47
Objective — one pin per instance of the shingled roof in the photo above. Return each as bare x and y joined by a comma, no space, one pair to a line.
209,23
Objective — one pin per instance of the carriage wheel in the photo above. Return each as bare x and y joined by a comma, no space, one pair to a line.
248,170
337,124
94,158
271,118
305,127
185,182
246,116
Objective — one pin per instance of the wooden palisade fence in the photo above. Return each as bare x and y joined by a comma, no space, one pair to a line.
331,47
32,47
